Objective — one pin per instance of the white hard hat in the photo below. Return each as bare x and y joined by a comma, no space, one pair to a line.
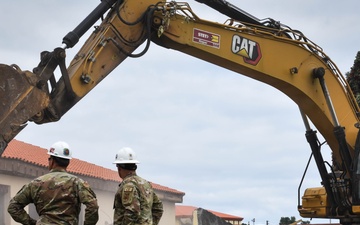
125,156
60,149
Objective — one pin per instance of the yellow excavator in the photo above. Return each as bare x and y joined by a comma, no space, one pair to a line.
265,50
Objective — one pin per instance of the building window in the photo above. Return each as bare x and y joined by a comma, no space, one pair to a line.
4,202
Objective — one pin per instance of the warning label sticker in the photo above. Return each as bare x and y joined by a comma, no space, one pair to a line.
206,38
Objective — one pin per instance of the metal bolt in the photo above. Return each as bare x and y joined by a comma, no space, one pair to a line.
85,78
294,70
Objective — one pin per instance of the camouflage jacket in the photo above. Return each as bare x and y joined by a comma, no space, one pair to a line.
136,203
57,197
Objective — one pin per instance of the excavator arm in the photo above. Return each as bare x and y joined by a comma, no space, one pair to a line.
38,97
264,50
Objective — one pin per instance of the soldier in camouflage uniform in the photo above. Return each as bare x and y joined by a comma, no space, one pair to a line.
135,200
57,195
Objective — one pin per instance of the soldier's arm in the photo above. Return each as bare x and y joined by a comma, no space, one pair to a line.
88,198
17,205
157,209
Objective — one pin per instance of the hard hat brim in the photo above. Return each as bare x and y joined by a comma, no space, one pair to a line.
58,156
126,162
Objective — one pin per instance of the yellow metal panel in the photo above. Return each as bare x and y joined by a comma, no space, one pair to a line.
356,209
314,203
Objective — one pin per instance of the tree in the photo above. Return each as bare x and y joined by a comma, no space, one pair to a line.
287,220
353,78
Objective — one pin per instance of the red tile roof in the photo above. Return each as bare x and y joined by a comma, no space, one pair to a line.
38,156
187,211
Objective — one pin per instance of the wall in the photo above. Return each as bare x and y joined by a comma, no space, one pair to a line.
14,186
168,217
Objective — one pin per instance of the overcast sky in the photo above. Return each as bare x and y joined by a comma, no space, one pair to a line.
232,144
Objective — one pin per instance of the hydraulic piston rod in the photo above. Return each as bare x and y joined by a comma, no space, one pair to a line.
339,131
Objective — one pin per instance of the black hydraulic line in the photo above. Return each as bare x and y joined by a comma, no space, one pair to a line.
231,11
356,175
339,133
73,36
312,139
326,179
302,179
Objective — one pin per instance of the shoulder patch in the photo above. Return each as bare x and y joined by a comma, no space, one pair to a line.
128,189
127,195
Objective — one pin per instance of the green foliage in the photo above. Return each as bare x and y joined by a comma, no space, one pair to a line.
290,220
287,220
353,78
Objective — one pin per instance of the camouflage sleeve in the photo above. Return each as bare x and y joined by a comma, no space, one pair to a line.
88,198
17,205
157,209
130,199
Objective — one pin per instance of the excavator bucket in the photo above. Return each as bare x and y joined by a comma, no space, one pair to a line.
21,99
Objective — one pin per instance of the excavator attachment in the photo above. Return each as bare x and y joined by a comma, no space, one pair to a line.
21,98
41,98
